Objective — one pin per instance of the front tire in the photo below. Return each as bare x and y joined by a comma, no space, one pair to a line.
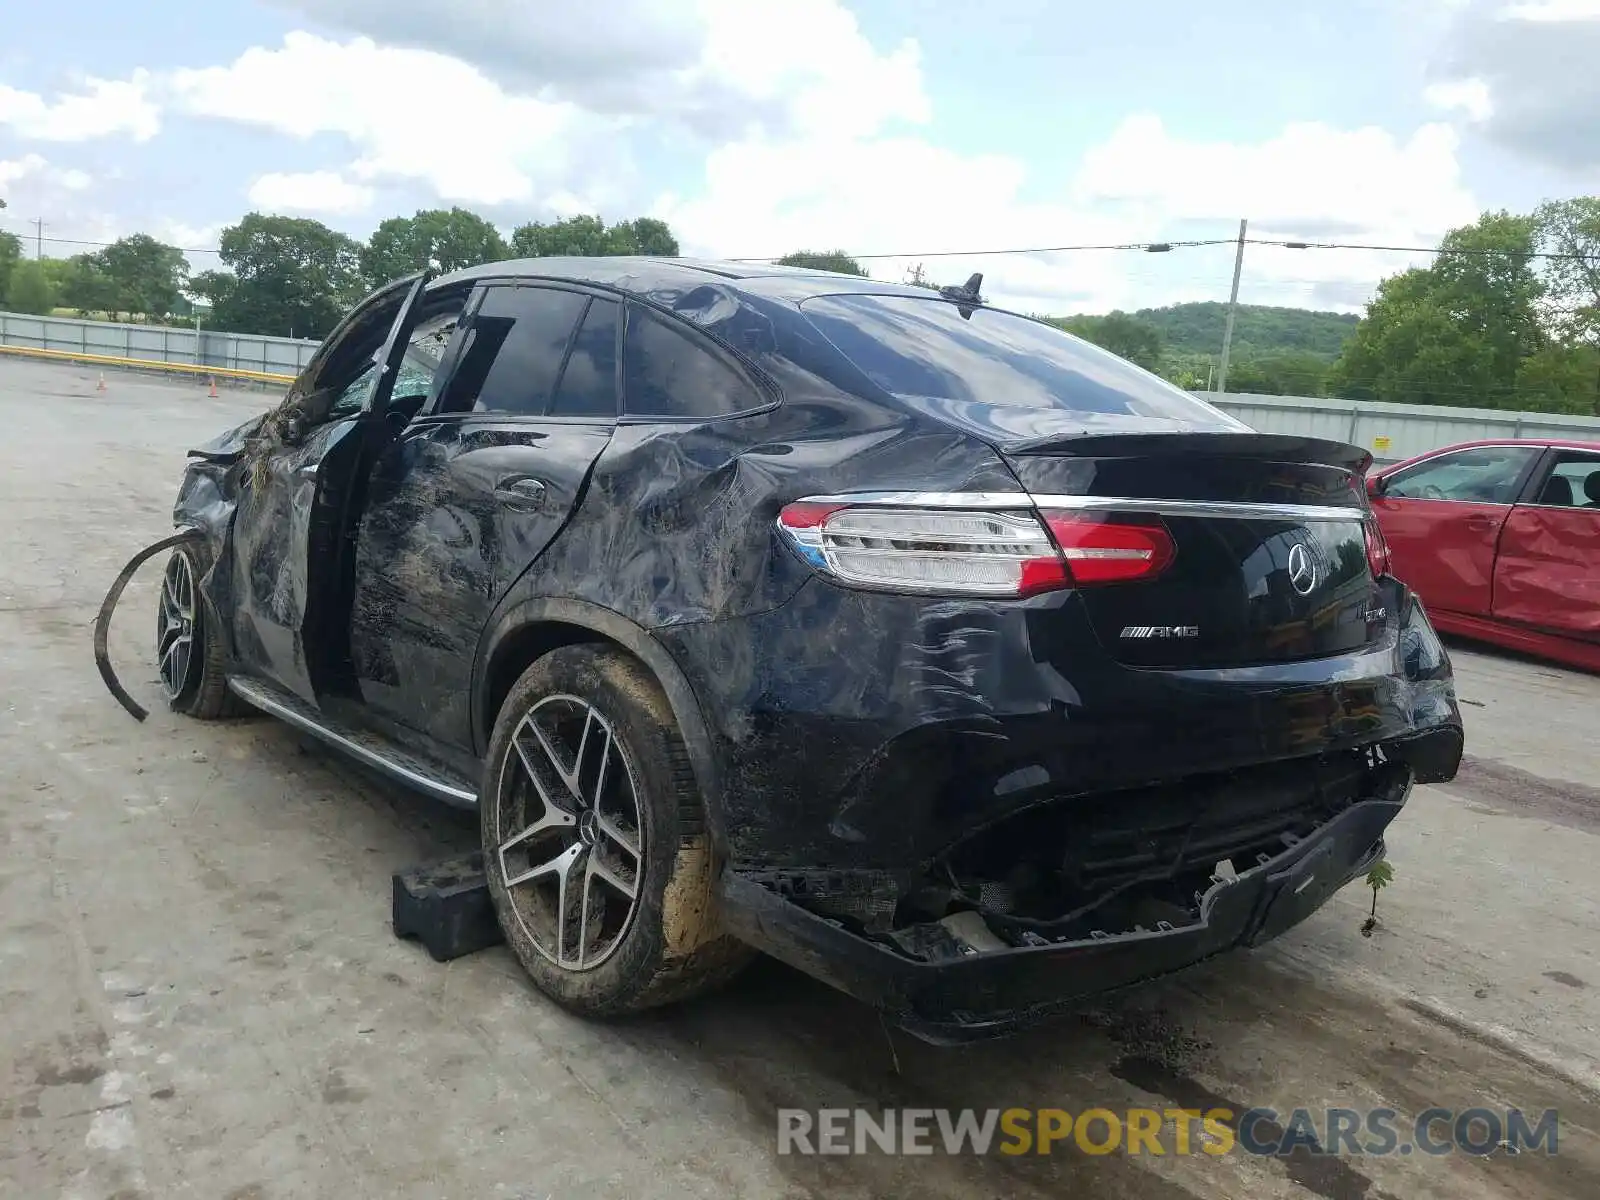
594,839
189,662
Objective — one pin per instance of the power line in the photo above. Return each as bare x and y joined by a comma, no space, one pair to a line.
1148,247
1293,245
39,237
1152,247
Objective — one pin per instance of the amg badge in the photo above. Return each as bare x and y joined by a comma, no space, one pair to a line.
1161,631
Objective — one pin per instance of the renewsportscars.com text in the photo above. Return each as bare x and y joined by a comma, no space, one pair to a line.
1163,1131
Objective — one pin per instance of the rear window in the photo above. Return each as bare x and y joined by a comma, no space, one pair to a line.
915,347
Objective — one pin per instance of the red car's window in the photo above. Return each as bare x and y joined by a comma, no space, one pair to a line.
1483,475
1574,481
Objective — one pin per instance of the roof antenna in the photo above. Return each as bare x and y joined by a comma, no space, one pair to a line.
965,295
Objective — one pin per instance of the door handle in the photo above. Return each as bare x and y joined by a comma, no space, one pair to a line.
309,471
1478,523
523,491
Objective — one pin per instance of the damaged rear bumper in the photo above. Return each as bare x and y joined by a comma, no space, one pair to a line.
991,992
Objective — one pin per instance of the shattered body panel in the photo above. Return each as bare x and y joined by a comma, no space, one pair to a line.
968,811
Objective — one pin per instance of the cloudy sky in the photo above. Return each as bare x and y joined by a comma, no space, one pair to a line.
755,127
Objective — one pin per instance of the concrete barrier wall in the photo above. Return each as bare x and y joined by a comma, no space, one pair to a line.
1396,431
158,344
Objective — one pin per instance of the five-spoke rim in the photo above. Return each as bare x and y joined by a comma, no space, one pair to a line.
568,832
175,625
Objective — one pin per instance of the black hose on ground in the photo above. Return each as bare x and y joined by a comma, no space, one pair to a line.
102,623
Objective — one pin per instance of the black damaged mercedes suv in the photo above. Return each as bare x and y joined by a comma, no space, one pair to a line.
936,652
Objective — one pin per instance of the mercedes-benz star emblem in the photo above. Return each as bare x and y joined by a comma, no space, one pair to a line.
1302,569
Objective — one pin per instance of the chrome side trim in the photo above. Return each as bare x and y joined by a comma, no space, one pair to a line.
295,712
1237,510
988,500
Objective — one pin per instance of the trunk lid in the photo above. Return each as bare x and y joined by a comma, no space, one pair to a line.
1270,532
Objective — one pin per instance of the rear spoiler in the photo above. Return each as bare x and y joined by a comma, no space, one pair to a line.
1261,447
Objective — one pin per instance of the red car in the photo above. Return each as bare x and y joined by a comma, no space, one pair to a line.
1502,541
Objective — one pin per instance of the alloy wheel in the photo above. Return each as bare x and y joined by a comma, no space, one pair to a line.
175,625
568,832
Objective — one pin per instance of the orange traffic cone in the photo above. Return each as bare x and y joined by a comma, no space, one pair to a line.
213,392
101,386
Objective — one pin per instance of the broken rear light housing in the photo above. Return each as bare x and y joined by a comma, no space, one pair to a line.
1377,547
973,552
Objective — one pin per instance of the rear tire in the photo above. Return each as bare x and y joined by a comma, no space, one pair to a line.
190,663
588,796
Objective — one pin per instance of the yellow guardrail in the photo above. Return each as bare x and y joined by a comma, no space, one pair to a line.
147,364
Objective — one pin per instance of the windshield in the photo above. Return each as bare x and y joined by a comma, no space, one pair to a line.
915,347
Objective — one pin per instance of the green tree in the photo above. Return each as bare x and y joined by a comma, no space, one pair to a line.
650,236
436,238
836,261
287,276
1285,373
1570,231
590,237
1559,378
1456,332
82,283
28,290
1121,333
10,255
1196,328
146,276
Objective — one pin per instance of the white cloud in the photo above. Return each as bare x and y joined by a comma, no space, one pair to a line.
1468,96
810,58
1525,74
20,168
1309,176
813,137
721,68
103,108
410,114
324,192
39,177
1555,10
1310,182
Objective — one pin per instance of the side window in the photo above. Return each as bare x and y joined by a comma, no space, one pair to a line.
515,346
423,356
1485,475
666,373
588,386
353,397
416,373
1574,481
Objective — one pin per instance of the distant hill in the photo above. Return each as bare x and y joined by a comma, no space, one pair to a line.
1196,328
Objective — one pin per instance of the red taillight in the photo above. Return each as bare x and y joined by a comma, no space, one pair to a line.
1377,547
972,552
1101,551
807,514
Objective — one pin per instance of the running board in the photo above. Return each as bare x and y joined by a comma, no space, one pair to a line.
368,748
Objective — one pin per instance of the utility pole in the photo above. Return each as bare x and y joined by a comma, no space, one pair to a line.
38,237
1233,308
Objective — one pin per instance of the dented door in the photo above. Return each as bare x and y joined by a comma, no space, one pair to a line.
298,497
467,498
288,517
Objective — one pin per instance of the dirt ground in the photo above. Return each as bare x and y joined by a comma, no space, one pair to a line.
200,995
